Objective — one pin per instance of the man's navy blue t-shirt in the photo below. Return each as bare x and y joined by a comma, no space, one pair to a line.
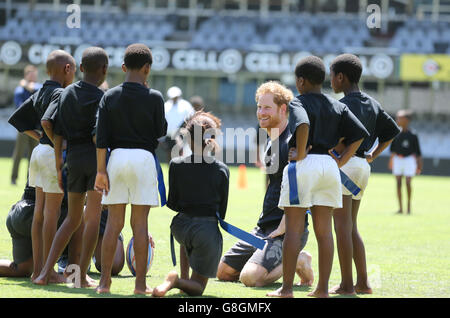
271,214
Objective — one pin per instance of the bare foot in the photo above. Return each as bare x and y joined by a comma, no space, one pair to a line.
167,285
103,288
88,283
41,280
56,278
146,291
281,293
318,294
34,276
304,270
305,283
363,289
399,212
342,291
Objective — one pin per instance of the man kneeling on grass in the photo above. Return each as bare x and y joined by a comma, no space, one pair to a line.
244,262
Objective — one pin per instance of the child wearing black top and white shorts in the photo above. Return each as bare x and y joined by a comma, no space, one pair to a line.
312,178
406,158
346,70
198,189
130,121
29,118
74,121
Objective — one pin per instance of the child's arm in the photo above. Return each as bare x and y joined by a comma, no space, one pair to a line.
58,146
48,129
418,154
36,135
50,115
391,161
419,161
101,180
225,191
301,135
280,230
160,119
25,119
370,157
348,152
386,130
354,133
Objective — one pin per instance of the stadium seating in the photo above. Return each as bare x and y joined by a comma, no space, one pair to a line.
319,34
44,26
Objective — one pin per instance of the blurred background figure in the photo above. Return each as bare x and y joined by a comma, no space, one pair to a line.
177,111
197,102
406,157
24,144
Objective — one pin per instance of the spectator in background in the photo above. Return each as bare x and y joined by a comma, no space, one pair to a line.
24,144
197,102
177,111
406,157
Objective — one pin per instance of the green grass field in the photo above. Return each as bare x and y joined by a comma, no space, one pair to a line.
408,256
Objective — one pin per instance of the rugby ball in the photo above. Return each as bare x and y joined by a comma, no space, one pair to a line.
130,257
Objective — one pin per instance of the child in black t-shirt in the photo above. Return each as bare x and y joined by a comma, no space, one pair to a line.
312,180
74,120
130,121
346,70
198,189
406,157
27,118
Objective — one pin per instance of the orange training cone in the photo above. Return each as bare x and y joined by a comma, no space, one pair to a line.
242,177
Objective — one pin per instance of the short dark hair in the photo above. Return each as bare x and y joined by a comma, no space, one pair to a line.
312,69
349,65
93,59
137,55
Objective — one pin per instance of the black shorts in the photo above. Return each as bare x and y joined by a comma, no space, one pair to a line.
18,222
202,241
269,258
81,167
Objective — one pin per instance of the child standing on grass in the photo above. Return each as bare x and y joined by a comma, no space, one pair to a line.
75,122
346,70
317,123
198,189
130,121
406,158
42,173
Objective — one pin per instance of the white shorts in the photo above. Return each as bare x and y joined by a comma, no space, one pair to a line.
358,170
132,178
404,166
42,171
318,183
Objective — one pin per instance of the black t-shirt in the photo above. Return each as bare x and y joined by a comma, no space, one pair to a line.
328,121
271,214
131,116
377,122
405,144
198,189
28,116
76,112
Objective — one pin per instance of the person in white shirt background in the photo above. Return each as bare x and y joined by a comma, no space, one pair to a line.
177,110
